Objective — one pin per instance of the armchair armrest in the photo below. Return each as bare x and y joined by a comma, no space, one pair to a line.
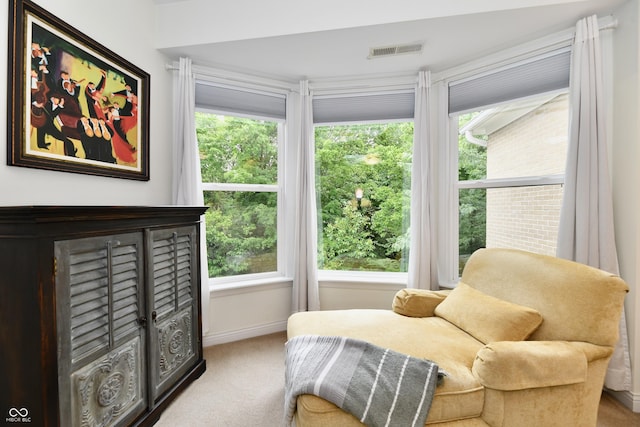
417,302
517,365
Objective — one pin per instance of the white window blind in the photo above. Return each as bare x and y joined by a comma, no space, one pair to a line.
363,107
543,74
236,100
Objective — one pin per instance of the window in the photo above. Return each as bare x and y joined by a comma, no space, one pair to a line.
239,136
511,162
510,126
363,170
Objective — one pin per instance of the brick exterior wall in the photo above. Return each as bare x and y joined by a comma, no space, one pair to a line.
535,144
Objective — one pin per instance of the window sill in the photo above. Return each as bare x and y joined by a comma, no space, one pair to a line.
326,279
330,278
221,288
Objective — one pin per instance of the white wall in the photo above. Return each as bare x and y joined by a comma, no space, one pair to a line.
340,296
246,312
626,176
125,27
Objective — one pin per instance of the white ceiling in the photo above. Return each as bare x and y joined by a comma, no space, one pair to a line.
450,37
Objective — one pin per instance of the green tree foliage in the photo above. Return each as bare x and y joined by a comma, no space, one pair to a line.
371,234
376,158
472,165
237,150
241,225
347,238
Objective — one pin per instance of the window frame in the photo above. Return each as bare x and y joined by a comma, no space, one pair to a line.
447,128
450,276
337,92
364,276
241,280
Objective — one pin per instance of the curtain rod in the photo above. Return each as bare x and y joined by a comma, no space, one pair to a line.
611,25
210,73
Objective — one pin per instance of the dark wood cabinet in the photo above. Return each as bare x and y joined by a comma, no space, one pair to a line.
100,319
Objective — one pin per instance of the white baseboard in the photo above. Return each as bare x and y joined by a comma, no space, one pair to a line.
242,334
627,398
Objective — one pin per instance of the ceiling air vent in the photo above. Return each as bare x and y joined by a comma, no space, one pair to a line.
379,52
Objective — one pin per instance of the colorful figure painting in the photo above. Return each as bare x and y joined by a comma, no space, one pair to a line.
81,107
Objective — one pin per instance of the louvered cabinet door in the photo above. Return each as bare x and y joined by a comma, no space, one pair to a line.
173,276
101,336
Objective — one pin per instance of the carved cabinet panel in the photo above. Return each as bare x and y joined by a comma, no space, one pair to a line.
100,304
108,391
100,308
174,324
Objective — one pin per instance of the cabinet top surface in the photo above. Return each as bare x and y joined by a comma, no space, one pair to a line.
76,214
51,210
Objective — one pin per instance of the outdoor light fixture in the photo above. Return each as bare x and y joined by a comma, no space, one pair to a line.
359,193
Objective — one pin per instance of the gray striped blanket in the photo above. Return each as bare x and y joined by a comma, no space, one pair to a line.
378,386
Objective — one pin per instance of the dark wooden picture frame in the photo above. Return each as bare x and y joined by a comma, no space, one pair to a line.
73,105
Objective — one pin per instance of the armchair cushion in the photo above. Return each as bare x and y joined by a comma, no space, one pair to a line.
417,302
487,318
509,365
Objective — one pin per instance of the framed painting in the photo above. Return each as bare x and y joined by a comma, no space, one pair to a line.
74,105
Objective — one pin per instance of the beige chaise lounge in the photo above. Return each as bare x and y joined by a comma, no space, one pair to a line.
525,340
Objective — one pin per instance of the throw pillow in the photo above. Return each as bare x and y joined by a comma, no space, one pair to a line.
417,302
486,318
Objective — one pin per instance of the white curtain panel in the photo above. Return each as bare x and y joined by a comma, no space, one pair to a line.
586,232
422,262
305,295
187,182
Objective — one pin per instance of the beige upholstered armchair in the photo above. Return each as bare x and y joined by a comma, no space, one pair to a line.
524,340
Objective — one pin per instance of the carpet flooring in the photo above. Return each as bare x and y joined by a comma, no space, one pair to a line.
243,386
